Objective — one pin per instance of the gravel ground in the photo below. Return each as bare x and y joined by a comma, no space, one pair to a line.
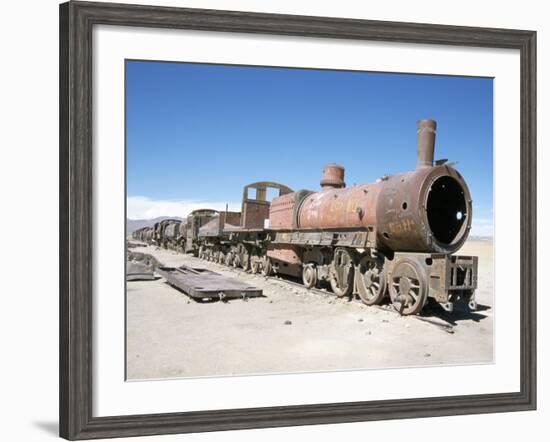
291,329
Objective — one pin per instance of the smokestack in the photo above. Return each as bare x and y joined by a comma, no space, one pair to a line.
425,142
333,177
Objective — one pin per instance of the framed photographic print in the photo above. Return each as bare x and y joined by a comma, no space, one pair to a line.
260,213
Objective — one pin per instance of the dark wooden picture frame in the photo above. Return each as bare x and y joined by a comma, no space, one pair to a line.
76,243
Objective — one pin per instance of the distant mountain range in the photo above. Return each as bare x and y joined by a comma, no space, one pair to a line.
133,224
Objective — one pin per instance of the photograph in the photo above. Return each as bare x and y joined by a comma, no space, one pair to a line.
301,220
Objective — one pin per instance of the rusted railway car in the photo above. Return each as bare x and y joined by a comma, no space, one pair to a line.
395,236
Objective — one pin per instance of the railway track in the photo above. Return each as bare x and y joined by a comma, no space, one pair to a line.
434,321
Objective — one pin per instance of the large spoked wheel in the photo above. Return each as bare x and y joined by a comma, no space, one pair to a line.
309,276
341,273
229,259
408,287
267,267
237,260
255,265
245,260
371,281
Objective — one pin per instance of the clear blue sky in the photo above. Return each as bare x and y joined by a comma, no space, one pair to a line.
201,132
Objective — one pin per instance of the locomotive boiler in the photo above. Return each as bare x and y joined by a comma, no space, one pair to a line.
426,210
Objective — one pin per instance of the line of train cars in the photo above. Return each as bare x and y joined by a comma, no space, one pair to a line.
396,236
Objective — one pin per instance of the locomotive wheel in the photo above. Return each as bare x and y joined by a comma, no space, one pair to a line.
245,260
236,260
255,266
371,281
228,259
408,287
267,267
341,273
309,275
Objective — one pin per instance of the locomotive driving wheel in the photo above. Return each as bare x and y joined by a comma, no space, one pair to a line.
309,275
341,273
229,258
408,287
255,265
267,267
245,260
236,260
371,280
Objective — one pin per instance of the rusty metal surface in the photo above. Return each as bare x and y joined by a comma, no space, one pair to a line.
211,228
333,177
255,208
398,207
283,214
352,207
171,230
418,211
327,238
205,284
254,214
280,213
446,275
425,144
216,225
231,219
261,188
194,222
290,254
425,210
140,266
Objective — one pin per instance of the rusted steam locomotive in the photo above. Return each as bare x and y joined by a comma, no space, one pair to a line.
396,235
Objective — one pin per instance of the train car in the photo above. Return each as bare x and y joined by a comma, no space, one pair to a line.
214,237
182,236
195,220
170,235
161,239
140,234
147,235
239,238
396,235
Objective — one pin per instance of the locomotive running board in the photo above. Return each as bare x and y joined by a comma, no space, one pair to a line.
202,283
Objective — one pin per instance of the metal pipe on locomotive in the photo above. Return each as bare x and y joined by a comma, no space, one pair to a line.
395,236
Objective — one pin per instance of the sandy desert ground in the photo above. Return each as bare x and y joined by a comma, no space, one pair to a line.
170,335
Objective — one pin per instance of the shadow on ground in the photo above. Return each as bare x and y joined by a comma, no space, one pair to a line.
52,428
